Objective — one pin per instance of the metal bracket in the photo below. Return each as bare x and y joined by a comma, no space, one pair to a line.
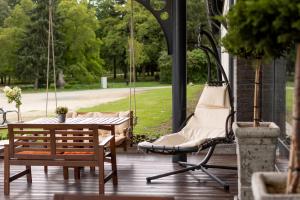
166,24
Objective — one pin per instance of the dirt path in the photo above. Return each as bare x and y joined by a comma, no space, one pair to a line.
34,104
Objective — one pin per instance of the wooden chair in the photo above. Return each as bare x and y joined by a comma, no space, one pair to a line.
57,145
102,197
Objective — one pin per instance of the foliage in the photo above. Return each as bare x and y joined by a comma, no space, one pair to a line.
4,11
61,110
196,16
196,67
251,34
11,36
82,57
32,55
91,37
165,66
13,95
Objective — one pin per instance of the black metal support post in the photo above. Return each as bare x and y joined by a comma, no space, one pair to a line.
179,76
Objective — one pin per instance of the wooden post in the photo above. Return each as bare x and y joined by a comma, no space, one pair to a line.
257,94
6,170
294,163
101,170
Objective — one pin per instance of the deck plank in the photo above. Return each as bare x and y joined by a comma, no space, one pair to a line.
132,171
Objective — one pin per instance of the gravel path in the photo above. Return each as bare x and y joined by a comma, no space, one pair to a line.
34,104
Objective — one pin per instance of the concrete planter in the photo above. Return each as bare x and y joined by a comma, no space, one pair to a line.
256,151
263,183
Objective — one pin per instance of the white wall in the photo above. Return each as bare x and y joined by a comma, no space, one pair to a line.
224,55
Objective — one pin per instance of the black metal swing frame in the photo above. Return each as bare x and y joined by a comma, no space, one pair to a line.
4,115
210,144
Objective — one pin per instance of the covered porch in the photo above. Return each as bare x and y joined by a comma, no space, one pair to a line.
133,168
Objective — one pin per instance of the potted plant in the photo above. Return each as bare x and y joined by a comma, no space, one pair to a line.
270,28
14,95
252,37
61,114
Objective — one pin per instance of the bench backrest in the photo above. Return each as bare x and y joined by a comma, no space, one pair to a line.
52,142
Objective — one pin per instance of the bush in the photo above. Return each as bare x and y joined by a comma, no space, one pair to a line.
196,67
165,66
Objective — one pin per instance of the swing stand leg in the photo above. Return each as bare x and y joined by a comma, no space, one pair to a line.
192,167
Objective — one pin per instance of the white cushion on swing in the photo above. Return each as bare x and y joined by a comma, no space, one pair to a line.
208,122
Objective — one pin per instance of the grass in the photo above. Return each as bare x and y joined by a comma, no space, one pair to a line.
3,134
154,109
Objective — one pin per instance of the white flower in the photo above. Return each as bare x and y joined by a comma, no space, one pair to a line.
13,95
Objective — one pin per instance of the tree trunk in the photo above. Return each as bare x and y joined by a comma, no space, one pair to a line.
36,83
115,68
257,93
294,162
144,71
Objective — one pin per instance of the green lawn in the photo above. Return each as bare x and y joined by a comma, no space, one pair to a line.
153,109
3,134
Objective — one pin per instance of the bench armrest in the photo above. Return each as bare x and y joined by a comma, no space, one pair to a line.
107,140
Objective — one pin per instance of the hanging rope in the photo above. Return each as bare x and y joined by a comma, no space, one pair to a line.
132,78
50,48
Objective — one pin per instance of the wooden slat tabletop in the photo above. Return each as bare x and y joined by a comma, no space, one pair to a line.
94,120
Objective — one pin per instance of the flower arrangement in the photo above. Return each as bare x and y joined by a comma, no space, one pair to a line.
61,110
14,95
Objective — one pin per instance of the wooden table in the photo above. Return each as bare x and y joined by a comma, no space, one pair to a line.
104,123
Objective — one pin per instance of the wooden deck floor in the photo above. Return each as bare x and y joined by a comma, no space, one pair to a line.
132,171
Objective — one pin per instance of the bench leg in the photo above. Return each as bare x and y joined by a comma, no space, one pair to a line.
77,173
125,145
114,162
45,169
66,173
101,171
28,175
6,171
92,169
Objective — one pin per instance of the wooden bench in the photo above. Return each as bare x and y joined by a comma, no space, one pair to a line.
67,145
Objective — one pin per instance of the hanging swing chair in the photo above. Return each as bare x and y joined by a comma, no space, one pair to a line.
208,126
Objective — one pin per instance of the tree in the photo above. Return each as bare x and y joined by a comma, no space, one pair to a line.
196,16
11,37
32,55
82,57
271,28
4,11
197,69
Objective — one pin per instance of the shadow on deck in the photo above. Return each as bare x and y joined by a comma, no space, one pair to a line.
132,171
